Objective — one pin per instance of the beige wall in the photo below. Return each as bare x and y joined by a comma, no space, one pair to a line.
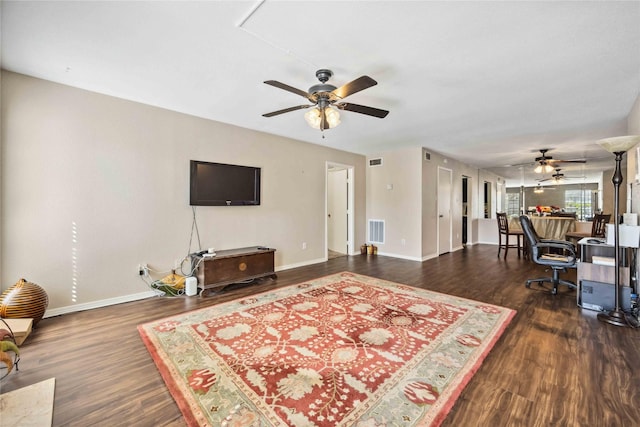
430,200
394,195
94,185
633,120
633,128
403,192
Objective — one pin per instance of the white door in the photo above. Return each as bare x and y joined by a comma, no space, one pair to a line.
337,219
444,210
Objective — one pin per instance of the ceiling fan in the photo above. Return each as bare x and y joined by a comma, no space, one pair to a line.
558,177
540,189
324,96
546,163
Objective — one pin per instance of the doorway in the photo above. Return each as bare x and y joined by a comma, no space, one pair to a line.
465,209
339,218
445,228
487,199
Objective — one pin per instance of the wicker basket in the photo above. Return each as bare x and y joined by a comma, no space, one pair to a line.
24,300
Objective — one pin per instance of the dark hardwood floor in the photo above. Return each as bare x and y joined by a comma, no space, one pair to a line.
555,365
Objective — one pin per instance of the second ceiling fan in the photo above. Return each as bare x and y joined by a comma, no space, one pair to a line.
559,177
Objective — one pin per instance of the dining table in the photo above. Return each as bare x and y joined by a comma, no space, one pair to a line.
547,227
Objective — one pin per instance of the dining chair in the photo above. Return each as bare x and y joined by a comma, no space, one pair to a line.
504,232
598,228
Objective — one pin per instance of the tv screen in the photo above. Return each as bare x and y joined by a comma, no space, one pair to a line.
218,184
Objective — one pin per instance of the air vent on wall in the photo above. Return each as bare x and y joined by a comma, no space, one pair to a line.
427,156
376,231
375,162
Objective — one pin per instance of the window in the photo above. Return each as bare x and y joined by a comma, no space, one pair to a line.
513,204
578,202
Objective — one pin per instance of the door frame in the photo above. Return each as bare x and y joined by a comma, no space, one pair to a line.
450,171
350,203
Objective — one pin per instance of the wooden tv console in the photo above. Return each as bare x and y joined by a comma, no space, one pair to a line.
234,266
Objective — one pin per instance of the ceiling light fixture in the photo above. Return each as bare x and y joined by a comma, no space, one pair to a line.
543,167
314,117
538,189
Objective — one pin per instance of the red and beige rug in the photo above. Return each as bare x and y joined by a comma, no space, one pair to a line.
342,350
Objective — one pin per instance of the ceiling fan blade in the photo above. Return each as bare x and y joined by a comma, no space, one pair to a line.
566,161
286,110
288,88
362,109
361,83
546,179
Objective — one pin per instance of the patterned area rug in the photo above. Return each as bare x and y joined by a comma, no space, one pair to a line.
342,350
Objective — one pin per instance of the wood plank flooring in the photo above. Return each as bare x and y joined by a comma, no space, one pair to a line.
555,365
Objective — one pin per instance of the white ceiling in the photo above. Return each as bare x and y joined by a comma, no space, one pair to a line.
487,83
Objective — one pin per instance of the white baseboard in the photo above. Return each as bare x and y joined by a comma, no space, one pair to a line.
148,294
97,304
300,264
142,295
410,258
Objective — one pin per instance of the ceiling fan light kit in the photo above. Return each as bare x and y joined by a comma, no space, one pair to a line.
543,167
314,117
325,98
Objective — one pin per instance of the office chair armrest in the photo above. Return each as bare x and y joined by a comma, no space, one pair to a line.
559,244
555,241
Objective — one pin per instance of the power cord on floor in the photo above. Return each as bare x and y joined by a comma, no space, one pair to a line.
161,288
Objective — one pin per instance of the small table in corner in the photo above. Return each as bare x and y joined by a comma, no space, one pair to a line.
234,266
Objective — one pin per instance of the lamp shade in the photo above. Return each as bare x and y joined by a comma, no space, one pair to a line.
333,117
619,144
314,120
543,167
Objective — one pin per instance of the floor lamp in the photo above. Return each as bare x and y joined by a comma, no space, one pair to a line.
618,146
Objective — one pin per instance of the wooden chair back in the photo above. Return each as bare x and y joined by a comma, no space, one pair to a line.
503,223
599,225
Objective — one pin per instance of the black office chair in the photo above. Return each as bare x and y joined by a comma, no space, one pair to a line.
540,254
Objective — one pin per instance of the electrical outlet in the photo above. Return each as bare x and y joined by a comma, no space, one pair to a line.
304,245
143,269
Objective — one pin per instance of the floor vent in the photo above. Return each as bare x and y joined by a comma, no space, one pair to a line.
376,231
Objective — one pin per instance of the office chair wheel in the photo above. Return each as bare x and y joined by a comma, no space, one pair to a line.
554,291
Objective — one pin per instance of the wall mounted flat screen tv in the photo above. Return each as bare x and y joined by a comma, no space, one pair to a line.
218,184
